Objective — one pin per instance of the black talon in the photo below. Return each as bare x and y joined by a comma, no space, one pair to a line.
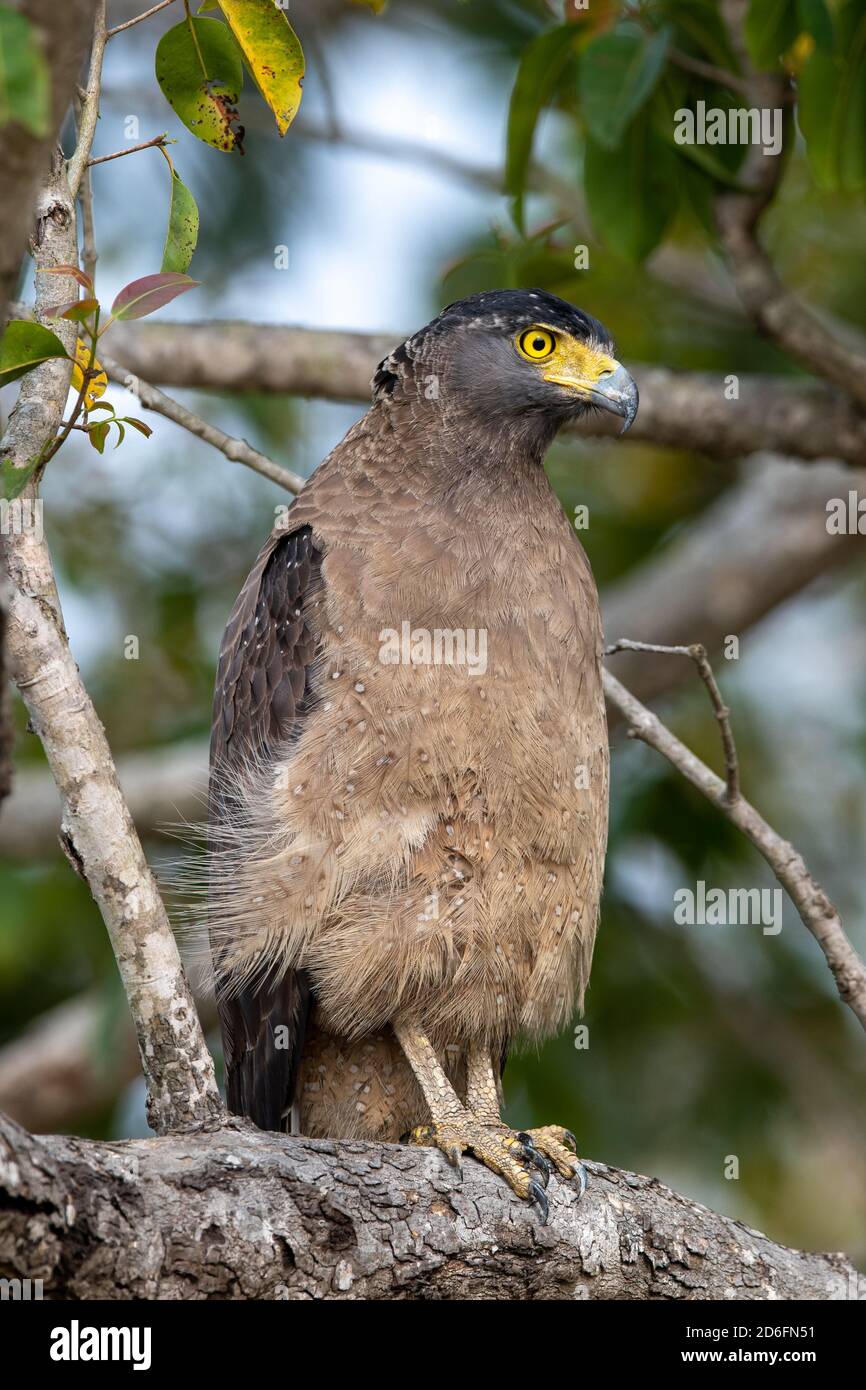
537,1195
539,1160
580,1174
571,1139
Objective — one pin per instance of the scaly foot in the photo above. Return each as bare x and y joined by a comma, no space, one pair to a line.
513,1156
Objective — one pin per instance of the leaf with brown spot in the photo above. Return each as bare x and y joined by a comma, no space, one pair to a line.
199,69
272,52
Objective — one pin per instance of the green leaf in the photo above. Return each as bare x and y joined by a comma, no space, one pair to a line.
272,53
182,233
541,64
831,111
97,434
699,26
633,197
139,425
25,346
15,479
617,74
25,83
813,18
200,72
769,30
151,292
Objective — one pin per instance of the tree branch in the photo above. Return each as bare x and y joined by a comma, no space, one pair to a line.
758,545
238,450
774,310
127,24
96,828
361,1221
89,105
816,911
684,410
697,654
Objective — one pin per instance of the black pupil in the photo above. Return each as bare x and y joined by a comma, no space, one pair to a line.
539,344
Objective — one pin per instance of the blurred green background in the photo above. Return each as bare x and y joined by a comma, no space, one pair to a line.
704,1043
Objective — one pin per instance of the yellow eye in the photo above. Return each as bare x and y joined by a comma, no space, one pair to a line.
536,344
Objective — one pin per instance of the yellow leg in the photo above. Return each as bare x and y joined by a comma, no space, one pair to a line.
483,1098
455,1129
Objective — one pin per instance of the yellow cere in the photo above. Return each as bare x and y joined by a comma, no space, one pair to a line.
567,362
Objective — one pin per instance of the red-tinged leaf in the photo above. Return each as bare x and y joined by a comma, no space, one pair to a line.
97,434
72,270
79,310
139,425
151,292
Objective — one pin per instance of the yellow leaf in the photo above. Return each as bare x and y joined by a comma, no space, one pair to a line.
97,384
272,52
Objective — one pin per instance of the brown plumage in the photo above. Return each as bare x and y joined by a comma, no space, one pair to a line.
409,830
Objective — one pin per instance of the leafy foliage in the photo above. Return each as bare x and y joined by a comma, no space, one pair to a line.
614,72
25,92
200,68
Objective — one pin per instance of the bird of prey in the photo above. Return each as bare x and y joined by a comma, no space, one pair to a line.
409,758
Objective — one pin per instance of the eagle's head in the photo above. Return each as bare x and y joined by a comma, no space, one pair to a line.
523,359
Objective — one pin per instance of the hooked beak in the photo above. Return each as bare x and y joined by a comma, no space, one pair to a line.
617,392
599,378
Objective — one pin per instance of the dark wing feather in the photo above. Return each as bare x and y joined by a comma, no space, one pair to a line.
262,693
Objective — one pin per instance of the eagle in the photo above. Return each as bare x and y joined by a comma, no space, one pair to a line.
408,794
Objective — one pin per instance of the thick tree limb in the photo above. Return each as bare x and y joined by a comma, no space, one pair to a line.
685,410
816,911
61,1068
162,787
241,1214
65,30
97,831
760,544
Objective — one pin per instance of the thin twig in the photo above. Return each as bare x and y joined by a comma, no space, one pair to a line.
816,910
89,253
722,76
127,24
89,105
157,143
687,62
238,450
698,654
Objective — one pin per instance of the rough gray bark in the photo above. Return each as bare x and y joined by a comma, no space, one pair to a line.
236,1213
